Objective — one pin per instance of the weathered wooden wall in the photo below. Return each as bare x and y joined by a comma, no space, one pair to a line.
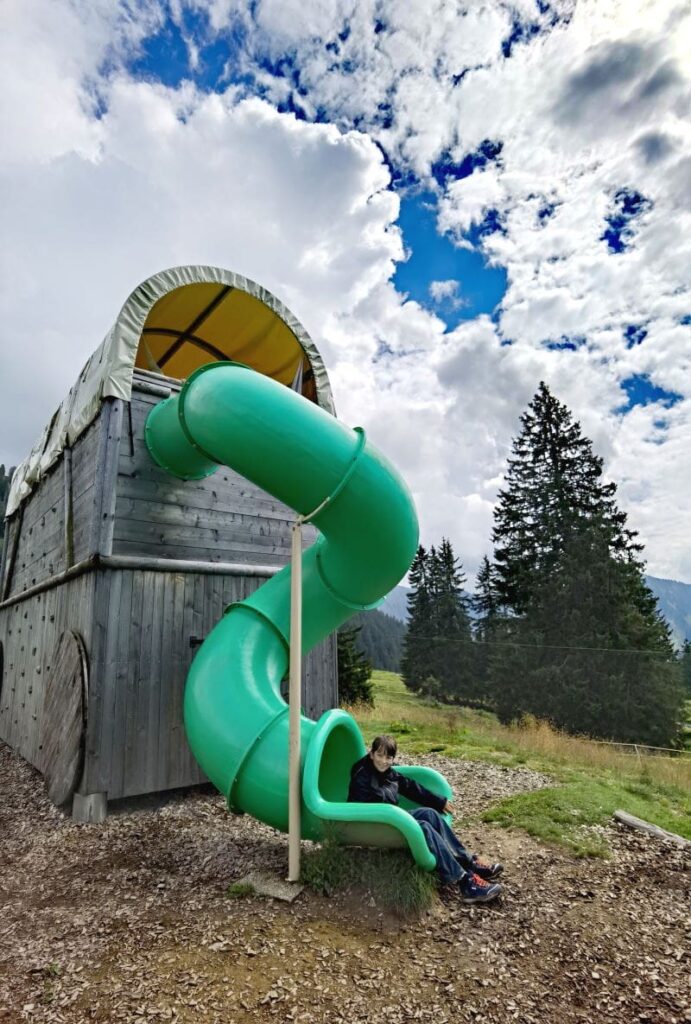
105,497
223,518
149,624
29,633
56,525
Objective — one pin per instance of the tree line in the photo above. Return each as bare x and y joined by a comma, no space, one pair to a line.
565,627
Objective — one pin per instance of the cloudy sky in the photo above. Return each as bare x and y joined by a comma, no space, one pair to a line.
458,198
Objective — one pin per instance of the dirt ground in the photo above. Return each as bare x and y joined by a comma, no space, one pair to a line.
130,921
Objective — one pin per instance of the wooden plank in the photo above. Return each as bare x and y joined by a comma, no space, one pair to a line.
84,455
167,673
43,647
154,678
652,830
181,512
110,478
45,548
177,680
4,684
229,493
99,470
122,669
239,553
62,725
82,519
46,494
107,746
136,770
68,521
229,535
12,555
28,719
133,685
97,648
3,553
192,767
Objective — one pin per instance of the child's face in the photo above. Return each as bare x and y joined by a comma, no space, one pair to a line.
381,760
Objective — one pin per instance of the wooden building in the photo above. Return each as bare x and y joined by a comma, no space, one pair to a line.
113,572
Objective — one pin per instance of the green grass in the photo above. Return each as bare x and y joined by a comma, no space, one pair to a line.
591,779
389,876
558,815
238,890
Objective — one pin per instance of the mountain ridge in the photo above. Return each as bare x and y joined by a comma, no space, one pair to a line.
673,600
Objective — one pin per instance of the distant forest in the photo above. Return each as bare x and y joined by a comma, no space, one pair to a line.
380,639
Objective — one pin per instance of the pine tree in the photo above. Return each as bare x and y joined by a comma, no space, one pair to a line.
452,658
685,664
354,670
585,656
553,484
485,604
418,644
571,585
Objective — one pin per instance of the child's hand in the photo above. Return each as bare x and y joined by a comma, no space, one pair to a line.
449,807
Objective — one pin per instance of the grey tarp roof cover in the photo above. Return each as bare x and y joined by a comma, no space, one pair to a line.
108,372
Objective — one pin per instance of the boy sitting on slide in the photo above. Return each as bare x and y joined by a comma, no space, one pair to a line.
374,780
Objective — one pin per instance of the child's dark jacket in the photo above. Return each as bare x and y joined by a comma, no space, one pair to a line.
368,786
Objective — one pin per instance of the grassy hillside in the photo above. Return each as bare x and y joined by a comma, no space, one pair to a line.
591,779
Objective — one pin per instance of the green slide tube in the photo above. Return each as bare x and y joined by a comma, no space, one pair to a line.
235,717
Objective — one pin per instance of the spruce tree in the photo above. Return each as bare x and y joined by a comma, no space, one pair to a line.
570,583
354,670
452,659
485,604
553,483
418,643
585,657
685,664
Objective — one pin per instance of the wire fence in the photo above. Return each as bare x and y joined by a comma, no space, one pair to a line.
565,683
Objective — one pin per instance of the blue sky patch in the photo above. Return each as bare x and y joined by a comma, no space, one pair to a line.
635,334
546,211
627,205
435,258
565,343
164,57
641,391
444,169
521,32
489,224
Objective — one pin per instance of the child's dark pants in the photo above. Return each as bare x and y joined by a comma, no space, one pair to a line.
452,857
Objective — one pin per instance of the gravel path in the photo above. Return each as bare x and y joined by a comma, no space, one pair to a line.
130,921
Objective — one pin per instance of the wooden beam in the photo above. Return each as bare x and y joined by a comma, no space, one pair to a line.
653,830
183,565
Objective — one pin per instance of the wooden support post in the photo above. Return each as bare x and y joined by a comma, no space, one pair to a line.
294,787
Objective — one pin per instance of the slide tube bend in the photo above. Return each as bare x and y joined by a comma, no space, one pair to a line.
235,717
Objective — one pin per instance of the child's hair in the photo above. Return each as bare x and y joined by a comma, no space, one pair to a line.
387,744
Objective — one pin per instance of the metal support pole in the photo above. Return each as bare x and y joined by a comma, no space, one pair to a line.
294,695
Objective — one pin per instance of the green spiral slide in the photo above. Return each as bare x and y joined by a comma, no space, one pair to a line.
235,717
